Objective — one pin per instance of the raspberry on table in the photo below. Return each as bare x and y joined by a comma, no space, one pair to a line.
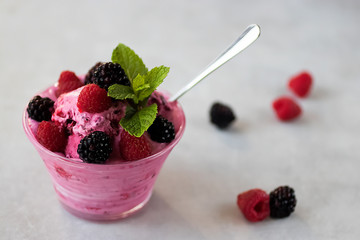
52,136
286,108
40,109
93,99
90,73
68,81
300,84
161,130
95,148
107,74
282,202
254,204
221,115
134,148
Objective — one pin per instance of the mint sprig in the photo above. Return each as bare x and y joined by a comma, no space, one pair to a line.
139,116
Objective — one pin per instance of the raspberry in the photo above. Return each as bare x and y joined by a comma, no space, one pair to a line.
90,74
286,108
95,148
300,84
108,74
67,82
93,99
161,130
134,148
52,136
40,109
254,204
221,115
282,202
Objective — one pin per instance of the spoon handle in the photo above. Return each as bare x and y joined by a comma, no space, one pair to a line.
250,34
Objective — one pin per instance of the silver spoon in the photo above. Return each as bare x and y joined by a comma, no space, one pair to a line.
251,33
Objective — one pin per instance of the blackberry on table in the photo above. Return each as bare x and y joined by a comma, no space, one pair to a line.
95,148
282,202
107,74
161,130
40,109
221,115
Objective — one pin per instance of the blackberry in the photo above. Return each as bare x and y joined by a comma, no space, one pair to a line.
161,130
40,109
221,115
90,74
95,148
108,74
282,202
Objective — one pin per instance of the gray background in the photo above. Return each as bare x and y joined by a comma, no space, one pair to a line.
194,198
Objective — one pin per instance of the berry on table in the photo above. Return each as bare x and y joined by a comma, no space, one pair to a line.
254,204
107,74
286,108
93,99
67,82
282,202
95,148
161,130
134,148
300,84
221,115
40,109
52,136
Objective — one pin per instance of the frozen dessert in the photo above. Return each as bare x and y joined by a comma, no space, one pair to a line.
81,105
104,136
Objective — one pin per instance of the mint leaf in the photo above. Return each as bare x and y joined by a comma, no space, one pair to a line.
154,78
138,86
137,123
121,92
129,61
139,83
142,87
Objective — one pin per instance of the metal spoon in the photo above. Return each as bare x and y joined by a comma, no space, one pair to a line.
251,33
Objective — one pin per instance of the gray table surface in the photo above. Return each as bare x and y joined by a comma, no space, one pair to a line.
195,194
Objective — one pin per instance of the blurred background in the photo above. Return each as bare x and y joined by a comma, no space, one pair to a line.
195,194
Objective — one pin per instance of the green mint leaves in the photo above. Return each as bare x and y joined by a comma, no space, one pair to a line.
139,116
121,92
129,61
137,122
